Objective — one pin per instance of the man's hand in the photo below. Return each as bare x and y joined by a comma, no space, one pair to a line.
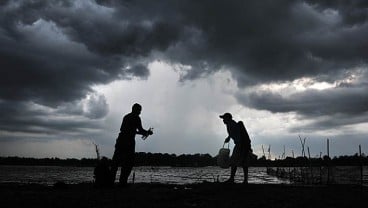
227,139
147,133
150,132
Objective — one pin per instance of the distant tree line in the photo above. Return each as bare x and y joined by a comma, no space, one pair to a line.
141,159
54,161
189,160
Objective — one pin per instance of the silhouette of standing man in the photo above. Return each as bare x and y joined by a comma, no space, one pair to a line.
242,148
125,144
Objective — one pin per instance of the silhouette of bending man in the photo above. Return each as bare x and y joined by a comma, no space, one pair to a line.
125,144
242,148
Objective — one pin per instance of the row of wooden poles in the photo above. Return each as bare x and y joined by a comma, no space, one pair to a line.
291,172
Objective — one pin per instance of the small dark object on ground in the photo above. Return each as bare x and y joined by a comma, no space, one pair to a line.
103,175
60,185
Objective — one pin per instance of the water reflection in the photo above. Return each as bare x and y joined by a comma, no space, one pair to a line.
197,175
171,175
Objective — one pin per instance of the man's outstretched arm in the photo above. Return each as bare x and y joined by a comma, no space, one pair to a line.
141,130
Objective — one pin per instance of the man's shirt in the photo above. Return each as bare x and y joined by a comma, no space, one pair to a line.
131,123
234,131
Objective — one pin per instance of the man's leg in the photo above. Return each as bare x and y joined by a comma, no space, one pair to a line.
124,174
232,173
114,165
127,166
234,159
245,167
245,170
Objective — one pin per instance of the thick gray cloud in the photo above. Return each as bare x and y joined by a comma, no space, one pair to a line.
138,70
344,104
53,52
68,118
266,41
93,49
94,107
341,100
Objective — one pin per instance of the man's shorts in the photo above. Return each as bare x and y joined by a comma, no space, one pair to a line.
124,151
240,156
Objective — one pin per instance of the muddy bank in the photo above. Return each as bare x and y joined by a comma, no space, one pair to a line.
193,195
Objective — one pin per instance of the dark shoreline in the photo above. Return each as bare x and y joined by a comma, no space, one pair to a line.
190,195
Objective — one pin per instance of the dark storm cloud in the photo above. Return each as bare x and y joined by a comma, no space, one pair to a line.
68,118
52,52
260,40
337,122
94,106
138,70
271,40
350,101
353,12
345,104
39,71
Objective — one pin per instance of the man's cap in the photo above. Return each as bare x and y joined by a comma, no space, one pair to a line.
226,116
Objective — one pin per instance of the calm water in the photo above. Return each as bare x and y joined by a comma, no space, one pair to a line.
324,175
170,175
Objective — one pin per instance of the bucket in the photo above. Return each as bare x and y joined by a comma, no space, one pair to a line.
223,157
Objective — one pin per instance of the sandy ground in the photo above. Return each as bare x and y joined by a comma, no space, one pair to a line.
194,195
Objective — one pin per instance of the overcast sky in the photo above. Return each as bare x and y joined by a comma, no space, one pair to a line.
71,69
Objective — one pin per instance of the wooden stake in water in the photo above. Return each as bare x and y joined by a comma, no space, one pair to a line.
303,144
361,164
269,152
310,165
328,162
133,179
294,170
320,168
97,151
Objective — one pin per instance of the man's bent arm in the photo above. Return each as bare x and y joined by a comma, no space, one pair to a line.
141,130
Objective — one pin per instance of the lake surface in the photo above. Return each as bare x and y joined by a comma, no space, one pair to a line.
170,175
324,174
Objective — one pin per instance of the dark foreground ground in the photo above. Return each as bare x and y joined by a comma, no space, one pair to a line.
195,195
